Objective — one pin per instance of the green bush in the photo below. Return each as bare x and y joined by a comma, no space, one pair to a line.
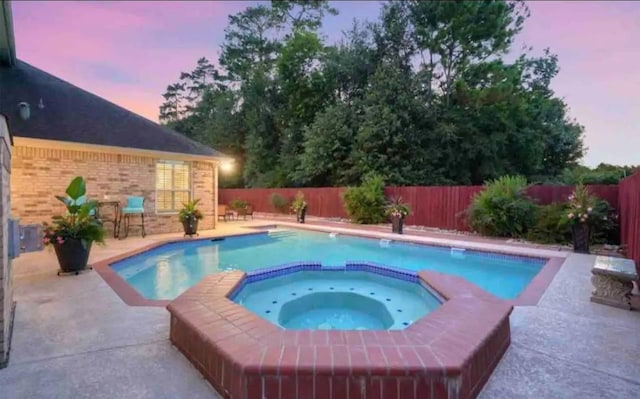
502,209
607,229
279,203
366,204
550,226
238,204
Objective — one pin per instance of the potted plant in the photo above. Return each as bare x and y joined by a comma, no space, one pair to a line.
299,207
73,234
397,210
581,214
189,216
240,207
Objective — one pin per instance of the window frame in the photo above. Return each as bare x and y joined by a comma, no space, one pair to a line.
173,191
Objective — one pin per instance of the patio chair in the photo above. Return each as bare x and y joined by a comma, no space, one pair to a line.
225,213
244,212
134,206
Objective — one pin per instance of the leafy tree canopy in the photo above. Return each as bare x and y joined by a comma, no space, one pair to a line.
423,95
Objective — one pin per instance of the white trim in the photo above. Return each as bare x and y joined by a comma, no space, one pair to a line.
155,176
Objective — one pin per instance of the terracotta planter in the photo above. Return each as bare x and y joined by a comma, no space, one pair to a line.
73,255
581,236
190,226
396,224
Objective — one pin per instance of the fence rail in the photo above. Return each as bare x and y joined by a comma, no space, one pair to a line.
433,206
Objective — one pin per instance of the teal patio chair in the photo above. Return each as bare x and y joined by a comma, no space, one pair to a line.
134,206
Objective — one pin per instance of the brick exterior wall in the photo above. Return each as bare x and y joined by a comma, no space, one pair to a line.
40,173
6,285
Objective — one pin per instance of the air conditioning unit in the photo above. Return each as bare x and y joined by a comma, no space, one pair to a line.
14,238
31,237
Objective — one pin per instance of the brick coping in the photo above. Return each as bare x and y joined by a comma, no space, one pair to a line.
449,353
528,297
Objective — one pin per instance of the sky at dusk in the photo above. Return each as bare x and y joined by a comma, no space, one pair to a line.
128,52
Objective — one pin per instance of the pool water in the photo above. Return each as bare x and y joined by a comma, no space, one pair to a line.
337,300
167,271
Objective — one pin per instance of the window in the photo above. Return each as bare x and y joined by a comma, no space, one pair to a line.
173,185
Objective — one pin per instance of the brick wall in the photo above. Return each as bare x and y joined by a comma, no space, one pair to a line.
6,286
40,173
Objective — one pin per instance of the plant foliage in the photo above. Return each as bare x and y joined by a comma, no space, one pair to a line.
238,204
424,95
299,204
502,209
366,203
190,210
397,209
79,222
278,202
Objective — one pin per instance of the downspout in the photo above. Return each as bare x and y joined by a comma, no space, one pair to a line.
8,48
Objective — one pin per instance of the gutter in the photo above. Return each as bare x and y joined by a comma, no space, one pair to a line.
8,46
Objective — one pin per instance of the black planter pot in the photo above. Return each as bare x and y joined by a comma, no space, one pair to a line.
73,255
300,216
581,235
396,225
190,226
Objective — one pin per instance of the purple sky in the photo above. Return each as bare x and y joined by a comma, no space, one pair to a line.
128,52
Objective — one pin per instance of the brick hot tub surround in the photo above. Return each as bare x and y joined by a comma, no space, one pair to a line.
450,353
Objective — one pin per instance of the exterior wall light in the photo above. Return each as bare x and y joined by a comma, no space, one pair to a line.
226,166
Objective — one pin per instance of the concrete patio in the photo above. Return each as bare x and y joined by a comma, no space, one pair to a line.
74,338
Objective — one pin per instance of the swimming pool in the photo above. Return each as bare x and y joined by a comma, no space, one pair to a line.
167,271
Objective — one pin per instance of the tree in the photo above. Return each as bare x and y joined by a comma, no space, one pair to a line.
423,95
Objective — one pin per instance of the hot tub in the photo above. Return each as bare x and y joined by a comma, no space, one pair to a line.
247,346
338,299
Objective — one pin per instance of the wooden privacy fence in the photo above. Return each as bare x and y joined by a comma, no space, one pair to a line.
433,206
629,209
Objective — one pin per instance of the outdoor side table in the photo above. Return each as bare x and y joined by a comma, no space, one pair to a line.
116,214
612,280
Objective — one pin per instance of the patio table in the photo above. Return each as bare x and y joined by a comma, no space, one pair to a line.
116,215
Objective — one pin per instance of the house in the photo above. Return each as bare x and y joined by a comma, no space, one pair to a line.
61,131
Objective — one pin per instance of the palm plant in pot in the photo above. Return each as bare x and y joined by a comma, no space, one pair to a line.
397,211
189,216
581,214
299,207
72,234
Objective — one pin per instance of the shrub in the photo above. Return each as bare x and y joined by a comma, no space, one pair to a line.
502,209
278,202
549,227
366,204
238,204
607,231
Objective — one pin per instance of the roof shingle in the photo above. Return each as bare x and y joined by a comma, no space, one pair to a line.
73,114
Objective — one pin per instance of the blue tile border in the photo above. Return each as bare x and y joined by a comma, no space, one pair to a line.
350,266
